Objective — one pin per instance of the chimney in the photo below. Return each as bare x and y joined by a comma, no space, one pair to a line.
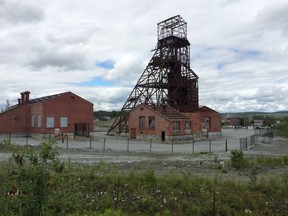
25,97
22,98
27,93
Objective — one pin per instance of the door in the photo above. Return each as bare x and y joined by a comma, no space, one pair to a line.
133,133
81,129
162,136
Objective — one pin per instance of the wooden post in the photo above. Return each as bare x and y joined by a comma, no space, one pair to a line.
193,142
226,146
127,144
150,145
209,145
104,144
26,138
66,142
246,143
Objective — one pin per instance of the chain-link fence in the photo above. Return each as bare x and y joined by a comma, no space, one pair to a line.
110,143
246,142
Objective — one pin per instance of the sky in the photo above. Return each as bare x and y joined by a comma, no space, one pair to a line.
99,49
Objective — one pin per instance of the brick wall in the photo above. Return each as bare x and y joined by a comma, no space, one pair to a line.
75,108
161,124
15,121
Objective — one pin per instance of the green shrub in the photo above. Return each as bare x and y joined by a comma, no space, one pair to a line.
28,178
47,187
238,160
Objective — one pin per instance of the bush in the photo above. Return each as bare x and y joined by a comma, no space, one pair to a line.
28,178
238,160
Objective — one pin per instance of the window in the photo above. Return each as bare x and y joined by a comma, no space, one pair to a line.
32,120
142,122
207,122
63,122
176,127
39,121
188,127
151,122
50,122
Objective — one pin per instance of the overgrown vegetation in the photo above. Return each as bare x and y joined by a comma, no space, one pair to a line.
7,145
35,182
238,159
282,128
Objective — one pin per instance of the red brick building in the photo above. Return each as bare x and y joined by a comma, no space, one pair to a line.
60,113
165,122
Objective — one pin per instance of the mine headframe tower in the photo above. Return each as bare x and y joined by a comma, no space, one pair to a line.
168,78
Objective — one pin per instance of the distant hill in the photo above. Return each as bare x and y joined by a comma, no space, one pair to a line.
105,115
278,114
108,115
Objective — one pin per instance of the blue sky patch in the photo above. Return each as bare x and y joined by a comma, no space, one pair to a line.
97,82
246,53
220,66
105,64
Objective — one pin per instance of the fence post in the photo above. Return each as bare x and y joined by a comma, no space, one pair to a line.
193,142
66,142
150,145
209,145
246,143
240,143
172,150
127,144
104,144
226,146
27,139
90,142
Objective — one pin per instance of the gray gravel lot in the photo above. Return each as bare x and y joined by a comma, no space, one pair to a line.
120,149
161,159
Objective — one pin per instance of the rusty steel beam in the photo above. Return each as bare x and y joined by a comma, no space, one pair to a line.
167,78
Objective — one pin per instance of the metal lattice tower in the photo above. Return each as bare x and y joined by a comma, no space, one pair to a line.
168,78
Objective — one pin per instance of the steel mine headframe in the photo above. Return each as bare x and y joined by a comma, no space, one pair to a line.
168,78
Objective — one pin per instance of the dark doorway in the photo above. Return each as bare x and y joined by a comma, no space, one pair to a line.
81,129
133,133
162,136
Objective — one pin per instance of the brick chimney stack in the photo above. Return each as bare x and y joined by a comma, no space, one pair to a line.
25,97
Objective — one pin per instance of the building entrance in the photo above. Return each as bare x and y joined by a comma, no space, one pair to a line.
162,136
81,129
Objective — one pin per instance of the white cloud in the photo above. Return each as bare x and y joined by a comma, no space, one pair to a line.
15,12
238,49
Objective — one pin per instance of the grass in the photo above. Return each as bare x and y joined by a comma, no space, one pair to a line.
35,182
102,190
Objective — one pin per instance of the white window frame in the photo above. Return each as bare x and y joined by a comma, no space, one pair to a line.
32,120
50,123
39,121
142,120
63,122
176,127
152,122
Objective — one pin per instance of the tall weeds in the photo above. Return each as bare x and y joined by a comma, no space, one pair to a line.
35,182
